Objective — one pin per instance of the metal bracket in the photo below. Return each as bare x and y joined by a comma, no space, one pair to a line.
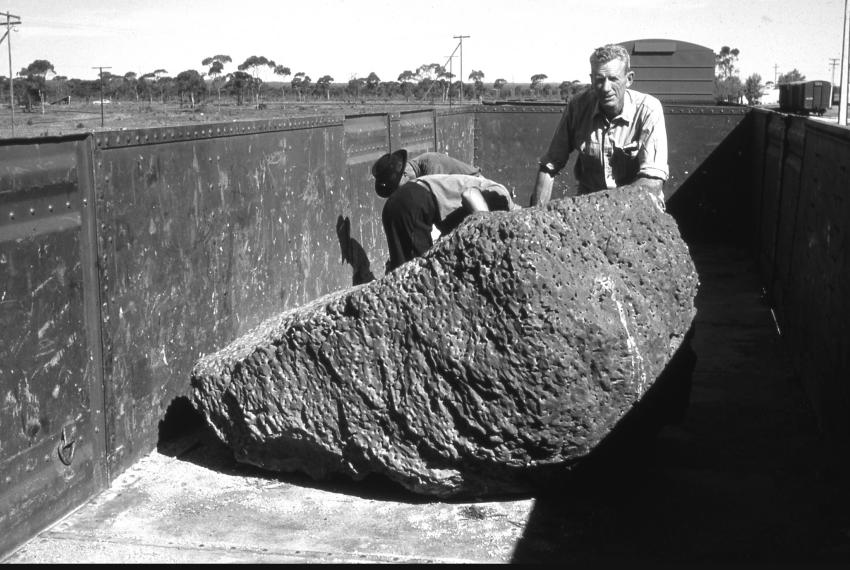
66,449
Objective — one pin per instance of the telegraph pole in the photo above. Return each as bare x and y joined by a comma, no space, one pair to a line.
101,68
775,73
845,54
833,63
461,63
451,63
9,23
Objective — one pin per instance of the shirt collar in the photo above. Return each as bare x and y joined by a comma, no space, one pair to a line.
626,114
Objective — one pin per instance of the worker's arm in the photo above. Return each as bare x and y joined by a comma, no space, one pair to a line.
542,188
473,201
653,186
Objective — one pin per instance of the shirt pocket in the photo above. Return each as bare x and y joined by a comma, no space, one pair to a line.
625,162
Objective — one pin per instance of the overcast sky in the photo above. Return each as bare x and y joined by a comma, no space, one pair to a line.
510,39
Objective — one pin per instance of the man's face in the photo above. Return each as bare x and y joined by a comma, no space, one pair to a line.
610,81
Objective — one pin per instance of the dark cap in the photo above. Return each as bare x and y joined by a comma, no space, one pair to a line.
387,171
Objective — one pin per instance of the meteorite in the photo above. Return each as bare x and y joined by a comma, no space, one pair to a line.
514,345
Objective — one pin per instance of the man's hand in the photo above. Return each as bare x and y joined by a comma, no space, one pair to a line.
653,186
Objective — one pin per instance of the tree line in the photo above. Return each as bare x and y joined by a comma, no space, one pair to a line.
728,87
39,84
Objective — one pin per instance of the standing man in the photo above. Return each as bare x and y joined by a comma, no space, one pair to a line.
619,133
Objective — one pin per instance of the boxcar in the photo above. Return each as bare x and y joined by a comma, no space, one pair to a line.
805,97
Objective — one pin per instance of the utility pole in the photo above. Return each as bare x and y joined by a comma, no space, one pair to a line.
451,74
101,68
775,73
833,63
9,23
461,63
845,54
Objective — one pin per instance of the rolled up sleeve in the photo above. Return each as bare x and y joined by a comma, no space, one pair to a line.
561,145
652,159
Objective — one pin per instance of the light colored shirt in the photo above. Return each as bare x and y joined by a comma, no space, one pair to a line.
611,153
429,163
448,189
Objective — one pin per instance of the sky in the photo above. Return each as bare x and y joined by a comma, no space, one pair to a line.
508,39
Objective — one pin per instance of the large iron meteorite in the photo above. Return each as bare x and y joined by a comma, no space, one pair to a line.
515,344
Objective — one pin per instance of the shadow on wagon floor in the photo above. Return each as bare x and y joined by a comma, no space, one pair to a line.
743,477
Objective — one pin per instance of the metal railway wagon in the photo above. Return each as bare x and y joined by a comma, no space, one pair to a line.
805,97
126,254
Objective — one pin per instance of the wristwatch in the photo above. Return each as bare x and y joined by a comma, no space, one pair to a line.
548,168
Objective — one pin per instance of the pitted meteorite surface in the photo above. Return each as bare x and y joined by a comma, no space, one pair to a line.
515,344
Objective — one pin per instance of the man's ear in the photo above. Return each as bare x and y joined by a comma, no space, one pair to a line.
630,78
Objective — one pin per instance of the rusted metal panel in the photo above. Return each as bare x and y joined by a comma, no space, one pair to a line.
414,131
758,134
200,240
456,133
367,137
771,191
709,159
786,222
50,437
815,301
511,139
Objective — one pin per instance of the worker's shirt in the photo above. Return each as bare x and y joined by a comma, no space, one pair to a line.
448,189
610,153
438,163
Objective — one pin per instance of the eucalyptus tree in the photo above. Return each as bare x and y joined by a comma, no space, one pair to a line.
372,82
536,80
35,78
131,84
284,72
407,78
300,82
189,83
477,78
499,84
324,82
216,68
254,63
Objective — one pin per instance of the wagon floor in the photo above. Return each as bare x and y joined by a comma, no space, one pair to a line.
744,478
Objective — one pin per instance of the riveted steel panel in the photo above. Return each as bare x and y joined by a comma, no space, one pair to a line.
786,223
367,137
771,191
815,302
456,134
414,131
511,140
758,134
51,441
199,241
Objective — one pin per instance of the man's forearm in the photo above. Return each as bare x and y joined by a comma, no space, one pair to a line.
542,189
651,184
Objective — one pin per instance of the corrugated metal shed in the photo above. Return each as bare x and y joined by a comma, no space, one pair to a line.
673,71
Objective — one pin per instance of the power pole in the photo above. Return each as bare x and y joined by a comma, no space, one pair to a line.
9,23
845,54
833,63
775,73
451,74
101,68
461,63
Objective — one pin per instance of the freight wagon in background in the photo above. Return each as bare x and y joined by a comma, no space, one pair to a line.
805,97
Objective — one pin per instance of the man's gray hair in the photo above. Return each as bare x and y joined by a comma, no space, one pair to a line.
606,53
